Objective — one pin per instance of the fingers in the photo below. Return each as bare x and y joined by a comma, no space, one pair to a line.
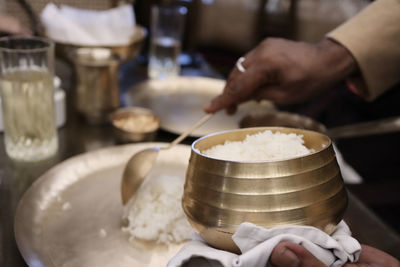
227,99
12,25
283,257
25,31
239,88
273,93
373,257
231,109
287,254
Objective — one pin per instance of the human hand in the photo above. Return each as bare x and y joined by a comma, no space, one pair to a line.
285,72
13,26
287,254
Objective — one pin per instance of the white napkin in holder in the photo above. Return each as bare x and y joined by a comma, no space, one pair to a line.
70,25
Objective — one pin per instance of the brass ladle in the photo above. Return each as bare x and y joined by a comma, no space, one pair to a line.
141,163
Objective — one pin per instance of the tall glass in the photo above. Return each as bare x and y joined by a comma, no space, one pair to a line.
27,91
167,24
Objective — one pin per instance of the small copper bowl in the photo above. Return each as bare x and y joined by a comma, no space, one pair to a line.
220,194
135,124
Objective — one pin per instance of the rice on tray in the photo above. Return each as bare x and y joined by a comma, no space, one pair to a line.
262,146
155,213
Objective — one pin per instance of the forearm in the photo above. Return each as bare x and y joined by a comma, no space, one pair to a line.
373,38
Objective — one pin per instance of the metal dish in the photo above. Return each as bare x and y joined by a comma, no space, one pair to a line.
71,216
179,102
286,119
220,194
281,119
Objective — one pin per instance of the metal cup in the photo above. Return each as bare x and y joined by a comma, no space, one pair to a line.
97,94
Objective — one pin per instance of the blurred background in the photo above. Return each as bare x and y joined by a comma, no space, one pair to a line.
220,31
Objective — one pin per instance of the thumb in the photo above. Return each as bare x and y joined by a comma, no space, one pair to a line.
287,254
281,256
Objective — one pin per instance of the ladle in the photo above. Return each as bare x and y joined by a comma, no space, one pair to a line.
141,163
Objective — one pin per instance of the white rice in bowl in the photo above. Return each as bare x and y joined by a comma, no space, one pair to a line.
155,212
262,146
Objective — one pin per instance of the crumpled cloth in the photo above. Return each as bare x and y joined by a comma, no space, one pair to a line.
349,174
66,24
256,244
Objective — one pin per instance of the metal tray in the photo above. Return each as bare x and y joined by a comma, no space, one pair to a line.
71,216
179,104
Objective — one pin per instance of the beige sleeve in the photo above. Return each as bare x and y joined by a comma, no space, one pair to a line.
373,38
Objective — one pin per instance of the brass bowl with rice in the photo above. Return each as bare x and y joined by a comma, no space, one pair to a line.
221,191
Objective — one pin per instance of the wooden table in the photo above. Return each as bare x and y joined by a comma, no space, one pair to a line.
78,137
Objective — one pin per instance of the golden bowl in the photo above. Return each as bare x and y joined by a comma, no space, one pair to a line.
125,52
219,195
134,124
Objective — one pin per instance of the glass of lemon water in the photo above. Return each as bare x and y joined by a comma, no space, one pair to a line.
27,94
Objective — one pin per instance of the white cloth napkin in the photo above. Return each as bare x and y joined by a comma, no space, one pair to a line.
257,243
349,174
89,27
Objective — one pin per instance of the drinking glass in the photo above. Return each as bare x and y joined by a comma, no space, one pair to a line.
167,24
27,91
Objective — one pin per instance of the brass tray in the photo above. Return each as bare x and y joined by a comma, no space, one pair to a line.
179,104
71,216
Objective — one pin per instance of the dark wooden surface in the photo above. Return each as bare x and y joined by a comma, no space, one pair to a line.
77,137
